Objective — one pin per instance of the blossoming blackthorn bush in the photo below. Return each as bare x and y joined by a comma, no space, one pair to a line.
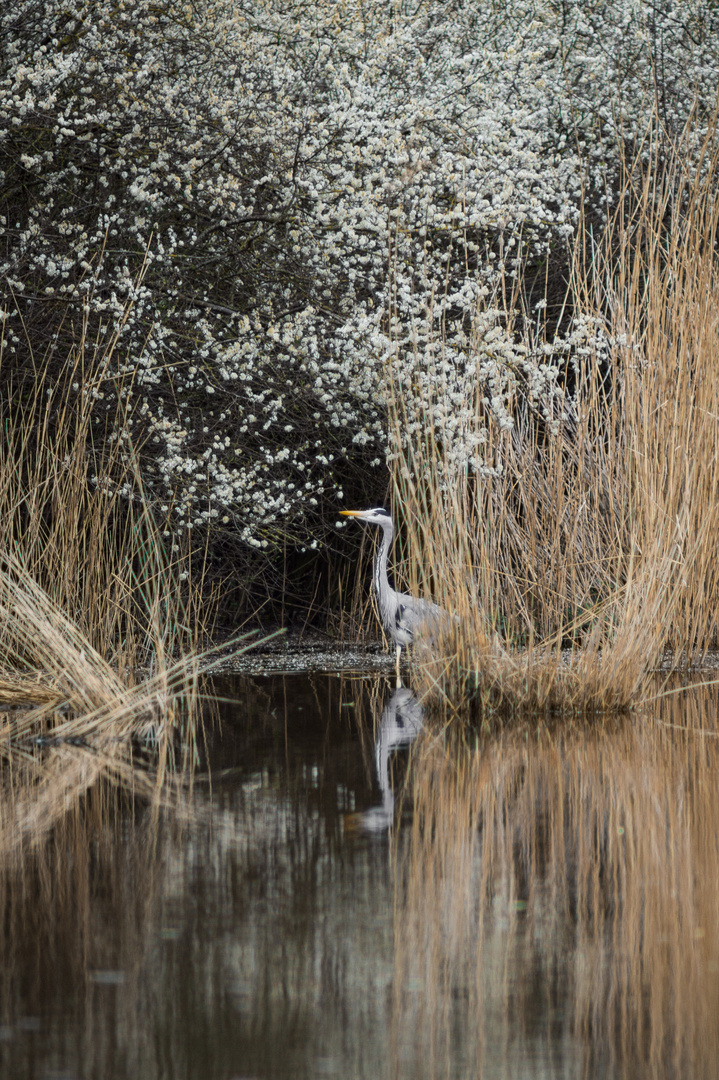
278,206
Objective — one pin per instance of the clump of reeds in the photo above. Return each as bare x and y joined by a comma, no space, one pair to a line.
101,608
589,556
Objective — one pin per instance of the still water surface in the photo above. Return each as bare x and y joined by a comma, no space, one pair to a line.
350,888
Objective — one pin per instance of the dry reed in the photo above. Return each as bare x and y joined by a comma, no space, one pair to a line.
589,557
102,608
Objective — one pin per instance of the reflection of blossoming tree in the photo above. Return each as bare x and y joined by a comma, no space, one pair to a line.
316,189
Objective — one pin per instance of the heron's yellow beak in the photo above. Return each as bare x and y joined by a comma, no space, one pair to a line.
350,513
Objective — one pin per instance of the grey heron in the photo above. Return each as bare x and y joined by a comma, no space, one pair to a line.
402,615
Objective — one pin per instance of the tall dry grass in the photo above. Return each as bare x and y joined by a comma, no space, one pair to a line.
102,609
77,521
590,557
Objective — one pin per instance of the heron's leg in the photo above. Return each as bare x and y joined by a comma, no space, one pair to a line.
399,650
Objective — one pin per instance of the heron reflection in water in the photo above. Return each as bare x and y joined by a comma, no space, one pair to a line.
401,722
403,616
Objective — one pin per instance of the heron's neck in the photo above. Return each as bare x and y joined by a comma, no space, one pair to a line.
381,582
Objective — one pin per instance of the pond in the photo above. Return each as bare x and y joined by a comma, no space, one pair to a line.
349,887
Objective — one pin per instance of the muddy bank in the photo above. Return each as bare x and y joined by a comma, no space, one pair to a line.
294,652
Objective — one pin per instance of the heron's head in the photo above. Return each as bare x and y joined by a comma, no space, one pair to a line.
376,516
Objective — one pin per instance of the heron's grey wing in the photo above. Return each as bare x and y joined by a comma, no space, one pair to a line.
414,615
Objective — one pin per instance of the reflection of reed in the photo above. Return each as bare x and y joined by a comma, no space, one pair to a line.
80,922
129,743
228,935
40,788
559,897
83,861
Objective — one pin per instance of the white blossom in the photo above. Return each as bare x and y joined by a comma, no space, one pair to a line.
280,217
